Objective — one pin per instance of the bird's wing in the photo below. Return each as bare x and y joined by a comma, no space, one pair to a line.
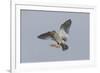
66,25
45,36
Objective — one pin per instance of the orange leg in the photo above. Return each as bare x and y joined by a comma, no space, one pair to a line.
55,45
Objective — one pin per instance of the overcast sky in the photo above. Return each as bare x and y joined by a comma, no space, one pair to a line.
33,23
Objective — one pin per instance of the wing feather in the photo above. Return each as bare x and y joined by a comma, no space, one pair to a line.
66,25
46,35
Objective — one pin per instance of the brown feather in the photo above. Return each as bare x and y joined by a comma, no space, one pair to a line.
45,35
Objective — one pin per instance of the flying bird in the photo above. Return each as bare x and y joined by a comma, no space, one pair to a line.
59,37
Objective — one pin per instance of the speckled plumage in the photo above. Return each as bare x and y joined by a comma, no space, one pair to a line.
61,36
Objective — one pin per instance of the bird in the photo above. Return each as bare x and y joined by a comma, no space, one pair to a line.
60,37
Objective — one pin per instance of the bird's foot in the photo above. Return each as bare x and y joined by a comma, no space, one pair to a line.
55,45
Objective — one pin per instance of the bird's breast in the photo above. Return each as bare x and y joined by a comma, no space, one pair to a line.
57,38
63,34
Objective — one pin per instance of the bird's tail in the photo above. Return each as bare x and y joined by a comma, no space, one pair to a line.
64,46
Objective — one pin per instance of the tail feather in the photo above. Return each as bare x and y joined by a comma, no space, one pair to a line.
64,46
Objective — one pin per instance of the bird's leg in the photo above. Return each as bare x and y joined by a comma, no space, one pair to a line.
55,45
58,46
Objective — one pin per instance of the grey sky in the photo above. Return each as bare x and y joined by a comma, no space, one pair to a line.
33,23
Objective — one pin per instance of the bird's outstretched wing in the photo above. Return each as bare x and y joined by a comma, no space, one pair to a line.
45,36
66,25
